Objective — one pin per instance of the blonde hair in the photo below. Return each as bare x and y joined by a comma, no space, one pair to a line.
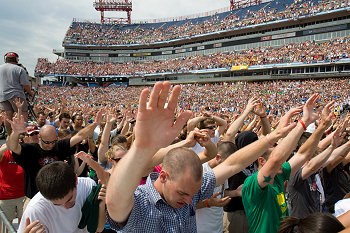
110,153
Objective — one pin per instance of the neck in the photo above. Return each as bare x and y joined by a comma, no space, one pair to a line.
158,186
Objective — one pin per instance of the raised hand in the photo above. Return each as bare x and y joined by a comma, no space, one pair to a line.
83,156
260,109
327,114
18,126
155,127
18,103
338,137
286,118
252,103
309,115
111,117
99,116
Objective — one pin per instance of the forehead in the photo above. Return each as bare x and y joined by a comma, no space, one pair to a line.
185,183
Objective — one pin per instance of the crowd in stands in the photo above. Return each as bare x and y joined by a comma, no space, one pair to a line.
229,126
306,51
98,34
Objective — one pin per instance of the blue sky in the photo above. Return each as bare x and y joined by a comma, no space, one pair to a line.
33,28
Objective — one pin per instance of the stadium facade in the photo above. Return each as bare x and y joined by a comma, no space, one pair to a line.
317,27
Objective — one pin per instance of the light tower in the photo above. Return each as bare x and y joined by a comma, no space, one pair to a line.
114,5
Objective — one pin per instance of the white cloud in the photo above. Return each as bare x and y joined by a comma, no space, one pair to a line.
34,28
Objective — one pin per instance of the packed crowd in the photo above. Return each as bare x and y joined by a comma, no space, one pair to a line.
97,34
306,51
228,152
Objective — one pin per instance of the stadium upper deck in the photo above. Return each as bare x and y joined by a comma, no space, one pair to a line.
82,33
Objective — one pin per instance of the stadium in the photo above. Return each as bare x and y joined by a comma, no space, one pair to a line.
255,138
251,40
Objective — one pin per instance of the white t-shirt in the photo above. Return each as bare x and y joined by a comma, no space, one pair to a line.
198,148
57,219
341,207
210,220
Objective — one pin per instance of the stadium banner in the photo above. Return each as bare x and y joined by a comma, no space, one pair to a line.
240,67
78,54
99,55
217,45
325,29
124,55
279,36
167,52
180,50
141,54
201,47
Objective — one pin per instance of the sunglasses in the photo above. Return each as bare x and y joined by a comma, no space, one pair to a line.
33,134
48,142
211,127
116,160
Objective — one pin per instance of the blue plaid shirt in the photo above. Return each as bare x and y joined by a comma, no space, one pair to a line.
152,214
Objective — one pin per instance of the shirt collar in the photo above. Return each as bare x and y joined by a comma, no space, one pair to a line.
154,196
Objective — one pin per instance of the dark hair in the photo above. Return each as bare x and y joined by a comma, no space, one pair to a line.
56,180
204,123
74,116
63,115
117,139
313,223
62,133
41,113
225,149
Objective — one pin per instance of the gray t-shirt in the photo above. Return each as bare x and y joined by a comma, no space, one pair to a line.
12,78
304,195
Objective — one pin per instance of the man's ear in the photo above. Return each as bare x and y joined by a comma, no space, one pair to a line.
261,161
163,176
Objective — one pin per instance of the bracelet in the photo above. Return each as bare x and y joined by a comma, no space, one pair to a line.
262,117
206,203
303,124
269,140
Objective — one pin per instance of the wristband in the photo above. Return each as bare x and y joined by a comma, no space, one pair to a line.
269,140
206,203
303,124
262,117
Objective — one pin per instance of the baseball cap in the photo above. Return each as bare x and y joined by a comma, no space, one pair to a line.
32,128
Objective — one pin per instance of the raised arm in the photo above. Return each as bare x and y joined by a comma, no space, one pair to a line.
248,154
283,150
316,163
19,106
308,149
238,123
260,111
155,128
102,175
88,130
18,126
337,156
104,145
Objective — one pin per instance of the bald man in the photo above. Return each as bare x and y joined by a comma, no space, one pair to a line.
33,156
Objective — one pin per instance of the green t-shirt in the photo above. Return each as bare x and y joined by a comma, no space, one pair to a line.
265,208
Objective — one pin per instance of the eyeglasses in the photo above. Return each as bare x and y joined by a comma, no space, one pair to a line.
48,142
211,127
116,159
33,134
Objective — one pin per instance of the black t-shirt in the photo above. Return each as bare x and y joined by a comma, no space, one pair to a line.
336,184
233,183
304,195
33,158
